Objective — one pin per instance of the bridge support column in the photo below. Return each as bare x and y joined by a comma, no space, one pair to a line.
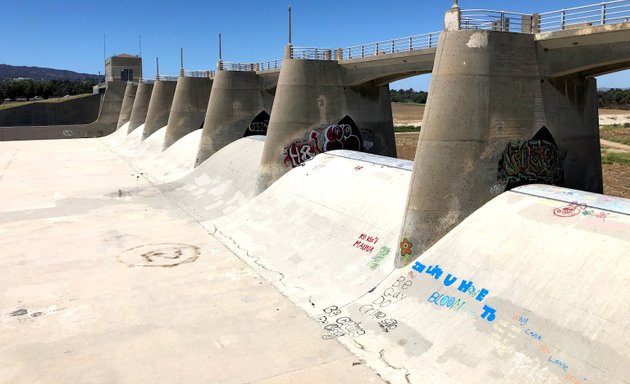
315,111
239,106
189,107
493,122
140,106
127,104
159,107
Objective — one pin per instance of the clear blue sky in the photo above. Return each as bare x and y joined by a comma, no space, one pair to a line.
68,34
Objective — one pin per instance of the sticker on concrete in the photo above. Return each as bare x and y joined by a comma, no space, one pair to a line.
159,255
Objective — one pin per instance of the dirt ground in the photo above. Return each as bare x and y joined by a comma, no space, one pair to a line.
616,176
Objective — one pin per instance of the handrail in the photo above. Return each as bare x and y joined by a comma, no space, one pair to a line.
403,44
486,19
272,65
607,12
166,78
208,74
311,53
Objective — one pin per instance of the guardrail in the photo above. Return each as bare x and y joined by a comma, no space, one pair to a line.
167,78
310,53
487,19
198,73
608,12
404,44
272,65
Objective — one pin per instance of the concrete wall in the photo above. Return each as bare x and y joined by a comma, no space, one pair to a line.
82,110
127,104
237,97
140,106
189,108
159,107
104,125
312,102
488,104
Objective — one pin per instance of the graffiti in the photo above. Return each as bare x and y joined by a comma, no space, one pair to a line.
570,210
406,248
358,168
574,209
559,363
465,286
159,255
443,300
299,152
258,125
364,243
344,135
338,326
538,160
380,256
67,132
388,325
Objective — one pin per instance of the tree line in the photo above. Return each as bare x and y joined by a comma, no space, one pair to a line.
28,89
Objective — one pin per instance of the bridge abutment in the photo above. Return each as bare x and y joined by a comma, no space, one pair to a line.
140,106
315,110
236,100
188,109
493,122
159,107
127,104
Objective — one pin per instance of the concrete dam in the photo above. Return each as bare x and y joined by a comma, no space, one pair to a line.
252,224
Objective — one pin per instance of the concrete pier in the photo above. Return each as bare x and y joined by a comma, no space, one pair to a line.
127,104
159,106
315,110
236,100
494,123
140,106
188,109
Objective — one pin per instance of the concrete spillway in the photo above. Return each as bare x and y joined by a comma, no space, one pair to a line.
299,282
236,99
127,104
188,109
140,106
105,123
159,106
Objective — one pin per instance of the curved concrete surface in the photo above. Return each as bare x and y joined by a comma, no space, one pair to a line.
127,104
104,124
188,109
237,97
223,183
512,294
140,105
159,106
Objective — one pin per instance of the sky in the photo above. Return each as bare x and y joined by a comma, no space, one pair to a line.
69,34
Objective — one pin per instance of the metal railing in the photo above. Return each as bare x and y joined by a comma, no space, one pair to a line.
272,65
609,12
199,74
166,78
487,19
310,53
147,81
405,44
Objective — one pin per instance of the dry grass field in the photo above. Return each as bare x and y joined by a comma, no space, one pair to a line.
615,155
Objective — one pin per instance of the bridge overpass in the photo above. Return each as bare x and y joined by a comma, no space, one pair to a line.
512,102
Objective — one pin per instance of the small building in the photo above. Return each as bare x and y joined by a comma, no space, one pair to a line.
123,67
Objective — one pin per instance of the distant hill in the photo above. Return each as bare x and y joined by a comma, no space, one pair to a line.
10,72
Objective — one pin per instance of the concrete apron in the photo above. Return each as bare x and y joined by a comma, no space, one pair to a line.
93,291
481,306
